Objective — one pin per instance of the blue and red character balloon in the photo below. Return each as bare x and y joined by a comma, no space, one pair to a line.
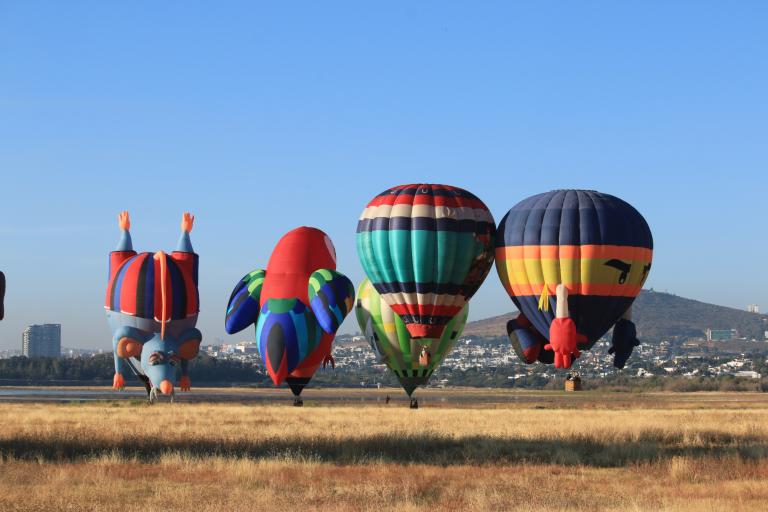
297,304
152,303
580,253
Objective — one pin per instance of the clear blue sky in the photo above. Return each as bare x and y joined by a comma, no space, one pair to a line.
260,118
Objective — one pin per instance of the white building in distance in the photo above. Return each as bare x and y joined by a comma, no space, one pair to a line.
41,341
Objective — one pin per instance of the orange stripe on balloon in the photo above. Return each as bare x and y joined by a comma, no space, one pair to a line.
621,252
602,290
160,256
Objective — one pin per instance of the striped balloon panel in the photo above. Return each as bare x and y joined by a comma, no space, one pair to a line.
189,263
135,288
389,338
385,331
286,333
426,249
596,244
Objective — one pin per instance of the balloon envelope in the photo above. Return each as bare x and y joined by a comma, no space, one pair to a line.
297,304
596,244
390,340
426,249
152,305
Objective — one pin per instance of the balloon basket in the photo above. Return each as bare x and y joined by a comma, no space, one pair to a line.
414,404
573,382
298,402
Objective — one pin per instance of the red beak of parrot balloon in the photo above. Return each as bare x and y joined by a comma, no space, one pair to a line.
582,254
297,304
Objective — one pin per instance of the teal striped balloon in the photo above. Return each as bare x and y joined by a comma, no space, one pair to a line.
426,249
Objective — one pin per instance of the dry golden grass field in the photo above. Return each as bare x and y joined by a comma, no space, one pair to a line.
547,451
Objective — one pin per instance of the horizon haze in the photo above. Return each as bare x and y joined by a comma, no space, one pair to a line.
260,119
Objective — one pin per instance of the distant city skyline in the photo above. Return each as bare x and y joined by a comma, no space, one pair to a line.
259,119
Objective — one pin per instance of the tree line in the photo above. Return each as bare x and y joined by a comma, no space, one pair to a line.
206,370
101,368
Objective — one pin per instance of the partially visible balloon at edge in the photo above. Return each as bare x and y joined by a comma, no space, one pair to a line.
2,295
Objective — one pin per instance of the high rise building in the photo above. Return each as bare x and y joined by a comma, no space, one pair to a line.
721,334
752,308
41,341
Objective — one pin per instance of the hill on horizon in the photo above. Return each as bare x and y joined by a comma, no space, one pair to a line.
660,315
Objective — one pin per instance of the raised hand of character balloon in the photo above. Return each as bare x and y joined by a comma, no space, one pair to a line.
124,221
187,221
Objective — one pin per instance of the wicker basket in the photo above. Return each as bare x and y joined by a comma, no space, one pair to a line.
573,384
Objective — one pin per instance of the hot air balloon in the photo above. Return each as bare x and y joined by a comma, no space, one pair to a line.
152,304
426,249
412,360
573,262
297,304
2,295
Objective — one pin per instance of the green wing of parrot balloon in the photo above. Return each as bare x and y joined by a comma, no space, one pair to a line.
412,360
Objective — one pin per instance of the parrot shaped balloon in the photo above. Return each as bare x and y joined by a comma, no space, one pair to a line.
426,249
412,360
581,254
297,304
152,304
